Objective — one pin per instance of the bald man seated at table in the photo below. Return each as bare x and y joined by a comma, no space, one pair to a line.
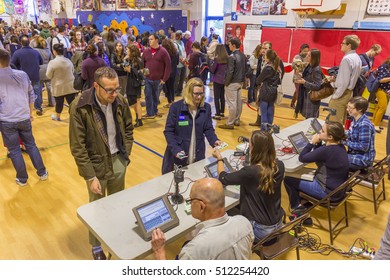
218,236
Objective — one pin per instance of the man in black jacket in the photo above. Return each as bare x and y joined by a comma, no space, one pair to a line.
234,80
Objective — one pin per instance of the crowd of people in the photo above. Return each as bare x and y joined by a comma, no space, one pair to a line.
114,67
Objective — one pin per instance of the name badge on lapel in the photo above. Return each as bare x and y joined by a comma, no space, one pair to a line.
184,123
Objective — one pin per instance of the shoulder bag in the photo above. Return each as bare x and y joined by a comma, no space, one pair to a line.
325,91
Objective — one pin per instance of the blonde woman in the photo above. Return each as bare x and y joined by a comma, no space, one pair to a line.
185,133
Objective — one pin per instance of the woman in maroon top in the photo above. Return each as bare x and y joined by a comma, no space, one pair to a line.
91,64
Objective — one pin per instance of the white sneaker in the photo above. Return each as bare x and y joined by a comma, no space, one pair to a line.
44,176
20,183
54,118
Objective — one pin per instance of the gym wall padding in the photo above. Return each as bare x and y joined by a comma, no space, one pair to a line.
326,40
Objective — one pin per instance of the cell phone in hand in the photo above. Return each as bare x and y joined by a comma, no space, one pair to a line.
182,155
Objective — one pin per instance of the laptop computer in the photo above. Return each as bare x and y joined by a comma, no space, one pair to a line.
211,169
156,213
299,141
317,127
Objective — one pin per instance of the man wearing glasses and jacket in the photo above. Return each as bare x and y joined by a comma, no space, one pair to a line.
101,138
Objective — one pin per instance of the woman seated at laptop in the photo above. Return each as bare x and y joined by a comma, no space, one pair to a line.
188,123
260,192
332,166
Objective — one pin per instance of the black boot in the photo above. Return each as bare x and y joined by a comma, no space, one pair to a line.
138,123
257,122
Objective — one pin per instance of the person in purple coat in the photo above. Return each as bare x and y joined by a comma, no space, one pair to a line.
218,67
185,141
91,64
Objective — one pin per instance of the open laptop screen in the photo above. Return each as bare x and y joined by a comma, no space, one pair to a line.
299,141
317,127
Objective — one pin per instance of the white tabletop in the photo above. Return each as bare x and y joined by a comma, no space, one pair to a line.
291,162
112,221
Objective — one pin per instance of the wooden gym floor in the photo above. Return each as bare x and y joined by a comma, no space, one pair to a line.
39,221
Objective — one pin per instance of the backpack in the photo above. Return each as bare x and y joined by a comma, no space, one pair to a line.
360,83
51,43
198,69
372,85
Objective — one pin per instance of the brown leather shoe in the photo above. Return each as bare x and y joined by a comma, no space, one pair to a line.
257,122
226,126
99,255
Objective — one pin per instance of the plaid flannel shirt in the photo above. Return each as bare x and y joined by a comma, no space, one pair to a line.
360,142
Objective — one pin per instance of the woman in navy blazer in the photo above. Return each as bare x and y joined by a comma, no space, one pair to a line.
185,143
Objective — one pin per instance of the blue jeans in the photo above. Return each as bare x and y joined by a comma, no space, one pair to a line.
48,89
179,80
152,94
38,95
295,185
260,231
267,110
11,133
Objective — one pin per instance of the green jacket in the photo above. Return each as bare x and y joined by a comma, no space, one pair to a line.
88,135
45,33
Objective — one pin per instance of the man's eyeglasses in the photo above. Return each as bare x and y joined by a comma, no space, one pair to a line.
189,200
198,94
343,43
110,91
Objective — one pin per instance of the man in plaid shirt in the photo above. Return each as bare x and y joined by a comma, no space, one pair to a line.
361,135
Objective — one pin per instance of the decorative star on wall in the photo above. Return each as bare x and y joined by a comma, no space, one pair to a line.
162,20
142,18
152,15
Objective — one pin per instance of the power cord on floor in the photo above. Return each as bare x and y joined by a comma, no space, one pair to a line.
311,243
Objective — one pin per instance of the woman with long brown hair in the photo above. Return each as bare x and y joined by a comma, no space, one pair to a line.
269,79
117,63
253,61
311,80
78,43
260,192
134,66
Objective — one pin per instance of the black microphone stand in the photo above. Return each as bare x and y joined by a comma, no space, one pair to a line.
178,177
